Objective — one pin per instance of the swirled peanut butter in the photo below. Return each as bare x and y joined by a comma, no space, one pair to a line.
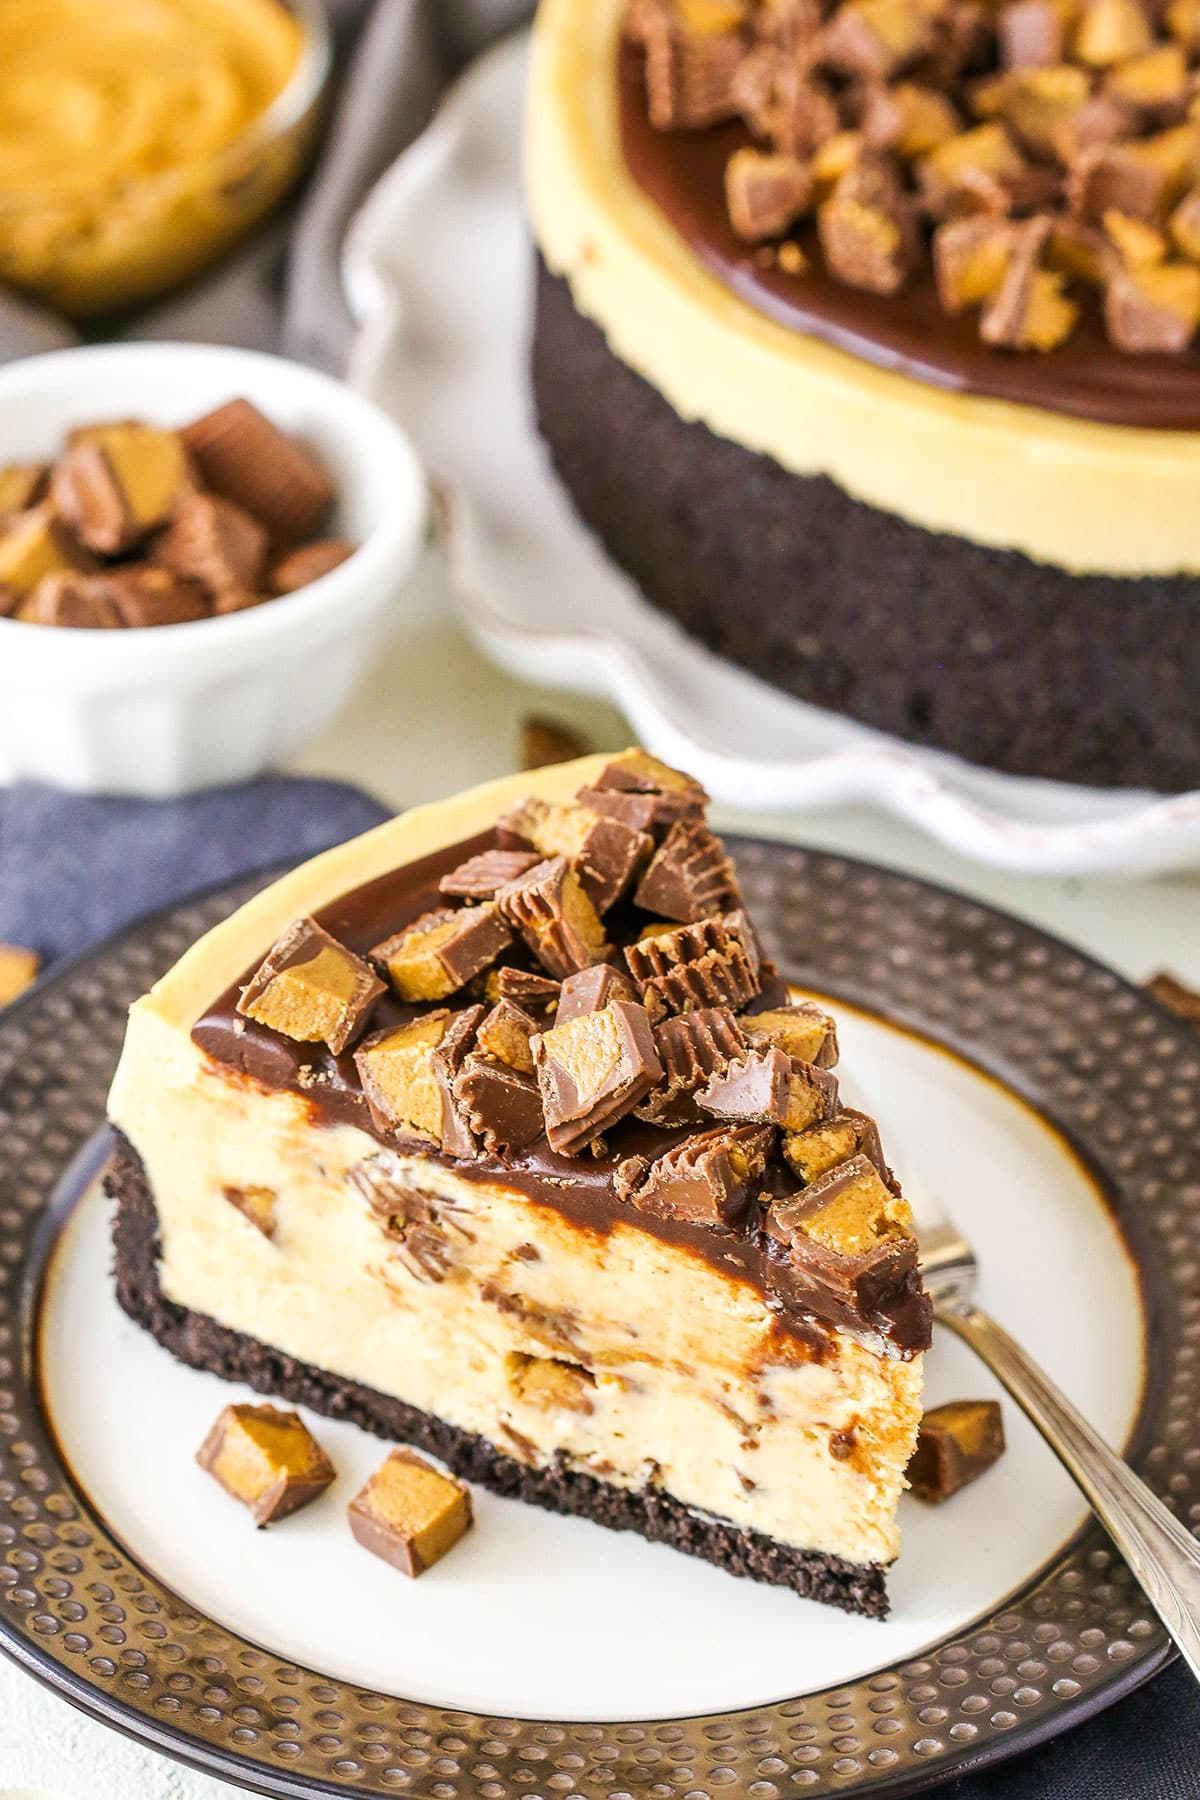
118,129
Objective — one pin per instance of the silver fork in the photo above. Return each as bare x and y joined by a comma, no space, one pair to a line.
1163,1556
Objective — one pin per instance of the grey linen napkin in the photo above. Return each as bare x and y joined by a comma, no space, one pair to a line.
282,291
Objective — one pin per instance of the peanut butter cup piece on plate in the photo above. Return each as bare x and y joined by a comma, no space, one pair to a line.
956,1444
266,1458
409,1513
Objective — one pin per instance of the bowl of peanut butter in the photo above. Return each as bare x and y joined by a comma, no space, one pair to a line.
139,140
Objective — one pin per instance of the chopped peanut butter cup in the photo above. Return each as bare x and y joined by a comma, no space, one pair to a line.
767,1086
536,994
689,73
604,852
120,483
850,1240
409,1513
501,1103
802,1030
266,1458
644,793
505,1034
956,1444
828,1143
245,457
442,951
216,543
311,988
765,192
590,990
693,966
481,877
708,1179
34,544
690,877
549,908
408,1073
592,1071
692,1049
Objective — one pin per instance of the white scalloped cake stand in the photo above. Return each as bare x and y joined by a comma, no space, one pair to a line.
438,271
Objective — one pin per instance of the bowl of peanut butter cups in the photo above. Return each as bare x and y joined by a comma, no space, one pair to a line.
201,551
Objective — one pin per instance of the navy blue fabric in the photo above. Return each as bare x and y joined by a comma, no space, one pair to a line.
1145,1748
73,870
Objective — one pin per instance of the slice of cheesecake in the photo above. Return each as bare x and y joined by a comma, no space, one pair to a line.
496,1132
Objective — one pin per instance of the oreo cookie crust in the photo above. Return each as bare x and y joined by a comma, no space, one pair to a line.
1008,662
204,1344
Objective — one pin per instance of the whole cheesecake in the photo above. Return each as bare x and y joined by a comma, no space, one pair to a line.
496,1132
864,342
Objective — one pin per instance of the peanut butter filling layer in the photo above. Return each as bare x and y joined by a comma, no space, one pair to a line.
632,1359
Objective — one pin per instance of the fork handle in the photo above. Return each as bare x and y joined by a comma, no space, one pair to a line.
1163,1556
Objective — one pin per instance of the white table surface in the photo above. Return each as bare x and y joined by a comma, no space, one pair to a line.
436,717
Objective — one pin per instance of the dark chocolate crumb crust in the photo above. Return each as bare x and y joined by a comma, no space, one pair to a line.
1002,660
203,1344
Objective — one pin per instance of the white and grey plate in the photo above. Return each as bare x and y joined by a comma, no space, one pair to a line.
439,272
1049,1104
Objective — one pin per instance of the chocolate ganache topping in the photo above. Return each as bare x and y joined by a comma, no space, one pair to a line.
576,1005
907,268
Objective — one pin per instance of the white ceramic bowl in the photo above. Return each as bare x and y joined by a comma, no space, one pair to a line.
166,710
